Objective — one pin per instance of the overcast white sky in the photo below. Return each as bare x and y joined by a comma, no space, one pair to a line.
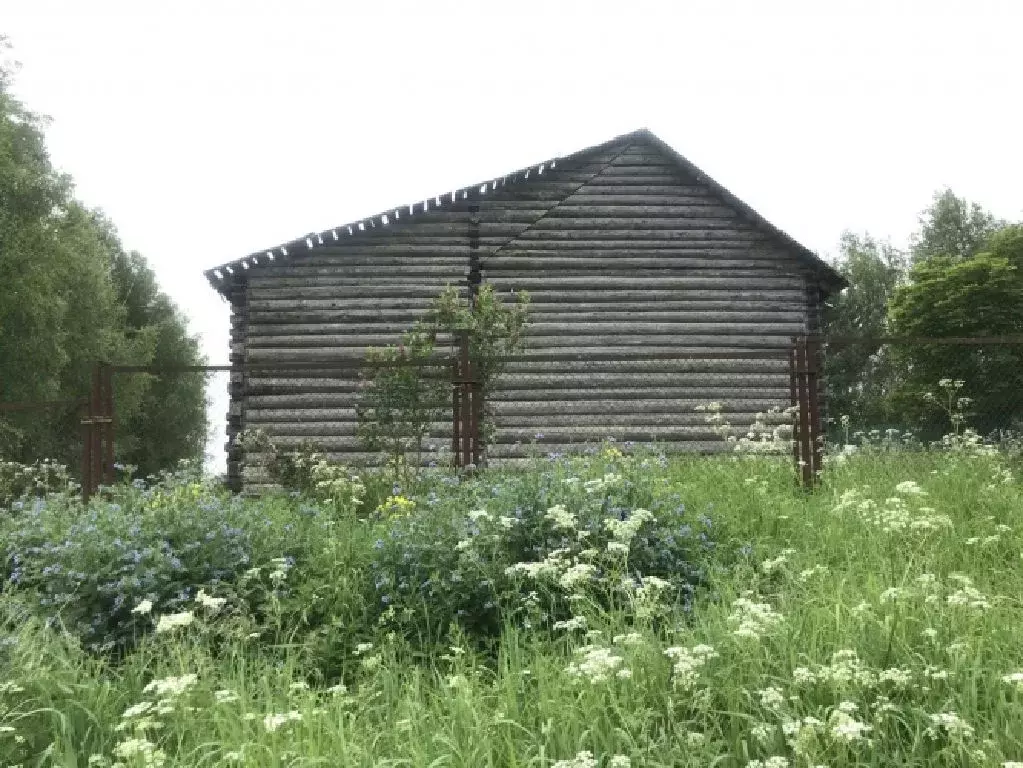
210,129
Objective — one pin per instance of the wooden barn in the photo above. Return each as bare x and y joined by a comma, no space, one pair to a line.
624,248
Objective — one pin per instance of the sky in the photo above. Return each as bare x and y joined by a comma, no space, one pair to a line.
207,130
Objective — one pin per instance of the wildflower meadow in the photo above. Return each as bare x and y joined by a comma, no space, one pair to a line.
616,609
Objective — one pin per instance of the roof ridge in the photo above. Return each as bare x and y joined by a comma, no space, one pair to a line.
220,276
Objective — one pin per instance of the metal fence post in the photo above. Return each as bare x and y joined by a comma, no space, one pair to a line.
813,352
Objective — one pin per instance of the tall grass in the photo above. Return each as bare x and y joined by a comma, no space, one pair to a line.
874,622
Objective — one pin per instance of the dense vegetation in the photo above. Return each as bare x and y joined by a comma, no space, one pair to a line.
613,609
71,295
962,277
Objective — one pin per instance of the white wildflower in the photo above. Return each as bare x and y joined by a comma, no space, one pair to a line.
143,749
968,597
771,697
900,677
362,648
845,727
950,724
212,604
143,608
596,664
910,488
172,621
135,710
273,722
631,638
479,514
225,696
576,622
619,761
688,662
1014,679
582,759
752,619
576,575
171,686
777,761
561,517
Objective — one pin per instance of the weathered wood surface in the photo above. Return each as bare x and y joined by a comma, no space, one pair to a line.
620,252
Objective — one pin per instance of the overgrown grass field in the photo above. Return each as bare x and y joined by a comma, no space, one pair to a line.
608,610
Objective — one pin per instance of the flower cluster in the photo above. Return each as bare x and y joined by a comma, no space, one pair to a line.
752,619
597,664
688,663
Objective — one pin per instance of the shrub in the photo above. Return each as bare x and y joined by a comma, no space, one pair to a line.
498,548
18,481
89,567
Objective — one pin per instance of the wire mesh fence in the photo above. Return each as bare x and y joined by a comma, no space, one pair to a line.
798,400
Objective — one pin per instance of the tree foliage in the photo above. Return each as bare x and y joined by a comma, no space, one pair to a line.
860,376
952,227
982,295
70,295
405,397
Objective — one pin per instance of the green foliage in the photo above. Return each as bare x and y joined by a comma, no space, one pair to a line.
305,471
952,227
506,558
888,600
860,377
979,296
70,296
406,399
93,566
21,481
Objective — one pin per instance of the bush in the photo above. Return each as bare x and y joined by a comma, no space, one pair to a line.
19,481
497,548
89,567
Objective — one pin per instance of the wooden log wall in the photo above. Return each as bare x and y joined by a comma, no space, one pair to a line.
619,250
642,256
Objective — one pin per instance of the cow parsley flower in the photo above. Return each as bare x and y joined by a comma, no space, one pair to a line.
582,759
576,622
561,517
576,575
273,722
910,488
171,686
950,724
210,603
752,619
777,761
143,608
1014,679
688,662
771,697
846,728
596,664
171,621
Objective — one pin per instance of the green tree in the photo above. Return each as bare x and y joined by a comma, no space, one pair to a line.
860,376
954,227
978,296
71,296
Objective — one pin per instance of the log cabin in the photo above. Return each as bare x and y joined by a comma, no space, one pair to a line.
626,249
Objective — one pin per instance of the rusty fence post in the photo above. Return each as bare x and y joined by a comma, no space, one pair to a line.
106,426
87,426
465,415
813,383
794,403
456,410
805,452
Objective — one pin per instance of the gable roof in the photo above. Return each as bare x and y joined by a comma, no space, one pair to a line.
220,277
